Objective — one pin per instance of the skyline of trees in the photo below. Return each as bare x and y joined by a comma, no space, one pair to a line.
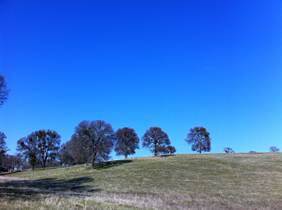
91,136
93,141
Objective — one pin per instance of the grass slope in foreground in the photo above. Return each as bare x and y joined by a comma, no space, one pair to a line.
240,181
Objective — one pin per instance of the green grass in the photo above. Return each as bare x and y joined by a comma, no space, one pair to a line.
240,181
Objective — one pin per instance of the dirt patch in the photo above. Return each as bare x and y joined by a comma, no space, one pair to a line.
4,179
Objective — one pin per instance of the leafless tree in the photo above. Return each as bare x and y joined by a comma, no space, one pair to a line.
3,90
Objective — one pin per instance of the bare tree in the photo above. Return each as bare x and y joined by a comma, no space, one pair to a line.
3,148
3,90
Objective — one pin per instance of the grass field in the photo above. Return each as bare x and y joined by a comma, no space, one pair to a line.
241,181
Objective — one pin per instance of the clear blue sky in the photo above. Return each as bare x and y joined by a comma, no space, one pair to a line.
173,64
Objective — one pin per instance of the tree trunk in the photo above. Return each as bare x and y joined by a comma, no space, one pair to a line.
155,150
93,160
45,158
43,163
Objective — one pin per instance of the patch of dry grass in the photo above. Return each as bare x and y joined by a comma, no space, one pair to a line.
240,181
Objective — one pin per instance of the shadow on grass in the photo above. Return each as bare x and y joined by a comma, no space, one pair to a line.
32,189
111,164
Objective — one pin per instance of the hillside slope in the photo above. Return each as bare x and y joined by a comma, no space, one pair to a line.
241,181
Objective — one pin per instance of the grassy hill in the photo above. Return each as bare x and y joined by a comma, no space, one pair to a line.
241,181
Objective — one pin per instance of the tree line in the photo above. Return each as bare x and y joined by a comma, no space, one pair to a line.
92,142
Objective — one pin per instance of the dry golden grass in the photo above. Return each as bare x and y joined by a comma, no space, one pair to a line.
241,181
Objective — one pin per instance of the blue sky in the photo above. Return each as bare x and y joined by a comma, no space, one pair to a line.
173,64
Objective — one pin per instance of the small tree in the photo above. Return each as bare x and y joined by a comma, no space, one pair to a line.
99,136
274,149
228,150
156,140
168,150
3,90
200,139
171,150
3,148
13,163
127,142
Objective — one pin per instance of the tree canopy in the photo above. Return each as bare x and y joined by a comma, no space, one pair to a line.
99,139
200,139
228,150
127,142
28,150
274,149
156,140
40,147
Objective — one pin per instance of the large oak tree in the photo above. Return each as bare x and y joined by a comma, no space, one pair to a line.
40,147
99,138
200,139
127,142
156,140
